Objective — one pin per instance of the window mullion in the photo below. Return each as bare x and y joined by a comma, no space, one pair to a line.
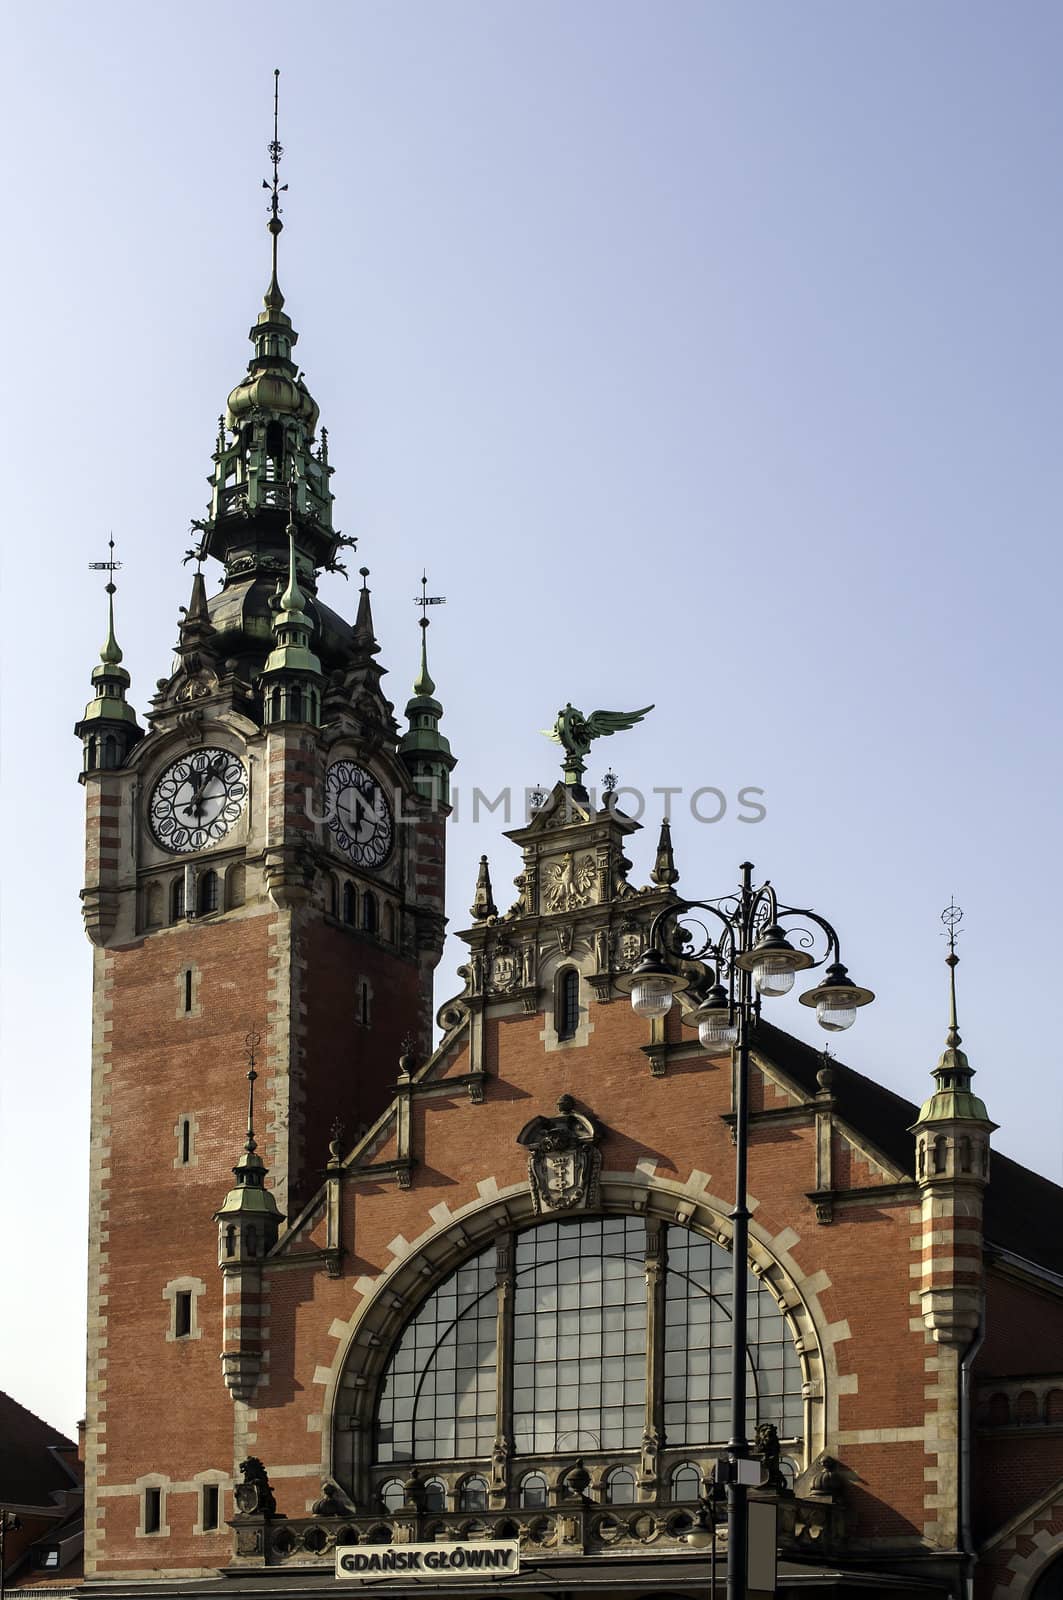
503,1445
652,1432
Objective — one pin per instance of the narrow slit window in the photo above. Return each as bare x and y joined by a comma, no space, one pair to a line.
188,988
209,1520
184,1142
152,1510
568,1004
182,1313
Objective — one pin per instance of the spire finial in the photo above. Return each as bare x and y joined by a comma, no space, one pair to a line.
274,298
251,1041
952,916
423,683
111,653
293,598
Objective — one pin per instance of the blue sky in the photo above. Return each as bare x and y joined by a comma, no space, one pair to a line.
706,355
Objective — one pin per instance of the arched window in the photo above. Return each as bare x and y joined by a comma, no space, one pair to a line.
686,1482
435,1495
230,1239
349,903
177,899
235,885
533,1491
208,893
392,1495
578,1357
998,1410
295,703
473,1496
620,1487
940,1153
369,914
251,1240
332,895
1026,1409
566,1003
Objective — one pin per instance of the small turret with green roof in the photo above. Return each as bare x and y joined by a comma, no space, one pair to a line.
109,728
423,748
248,1218
953,1126
291,677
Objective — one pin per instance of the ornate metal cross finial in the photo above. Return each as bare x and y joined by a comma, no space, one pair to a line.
251,1042
274,298
952,916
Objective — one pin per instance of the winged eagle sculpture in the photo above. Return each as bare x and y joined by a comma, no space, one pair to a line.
576,733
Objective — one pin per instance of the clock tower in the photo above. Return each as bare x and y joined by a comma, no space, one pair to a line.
265,858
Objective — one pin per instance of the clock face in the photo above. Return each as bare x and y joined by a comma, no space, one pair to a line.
358,813
197,799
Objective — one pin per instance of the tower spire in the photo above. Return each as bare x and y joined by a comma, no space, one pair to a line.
274,299
426,750
109,728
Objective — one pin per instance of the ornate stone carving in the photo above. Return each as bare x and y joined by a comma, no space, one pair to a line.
567,883
253,1494
564,1162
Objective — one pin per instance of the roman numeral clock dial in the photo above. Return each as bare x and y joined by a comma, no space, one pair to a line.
197,800
357,812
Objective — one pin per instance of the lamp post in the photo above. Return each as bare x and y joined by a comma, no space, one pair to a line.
744,957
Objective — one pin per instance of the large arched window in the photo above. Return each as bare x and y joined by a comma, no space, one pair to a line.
573,1301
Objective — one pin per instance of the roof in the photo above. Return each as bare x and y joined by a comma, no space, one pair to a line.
1023,1212
38,1464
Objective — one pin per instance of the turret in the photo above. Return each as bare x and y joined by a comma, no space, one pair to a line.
424,749
249,1221
109,729
291,677
952,1134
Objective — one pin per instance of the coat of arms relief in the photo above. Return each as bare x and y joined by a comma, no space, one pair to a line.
568,883
564,1161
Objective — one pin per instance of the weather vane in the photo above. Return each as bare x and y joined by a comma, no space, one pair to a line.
577,733
112,566
274,298
424,599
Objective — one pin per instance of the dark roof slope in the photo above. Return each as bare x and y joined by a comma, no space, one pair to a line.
31,1472
1023,1211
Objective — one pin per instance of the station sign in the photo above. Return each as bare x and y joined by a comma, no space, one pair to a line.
421,1563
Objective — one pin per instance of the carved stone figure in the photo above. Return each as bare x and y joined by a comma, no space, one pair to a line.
568,882
564,1162
577,733
769,1452
253,1494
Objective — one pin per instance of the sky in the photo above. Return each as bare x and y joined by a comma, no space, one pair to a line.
704,355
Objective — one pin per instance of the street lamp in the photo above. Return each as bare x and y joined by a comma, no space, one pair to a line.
745,956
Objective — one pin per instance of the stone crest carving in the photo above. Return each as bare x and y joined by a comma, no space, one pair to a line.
503,972
568,883
628,949
564,1161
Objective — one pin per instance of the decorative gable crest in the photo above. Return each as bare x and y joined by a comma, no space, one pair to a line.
564,1161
